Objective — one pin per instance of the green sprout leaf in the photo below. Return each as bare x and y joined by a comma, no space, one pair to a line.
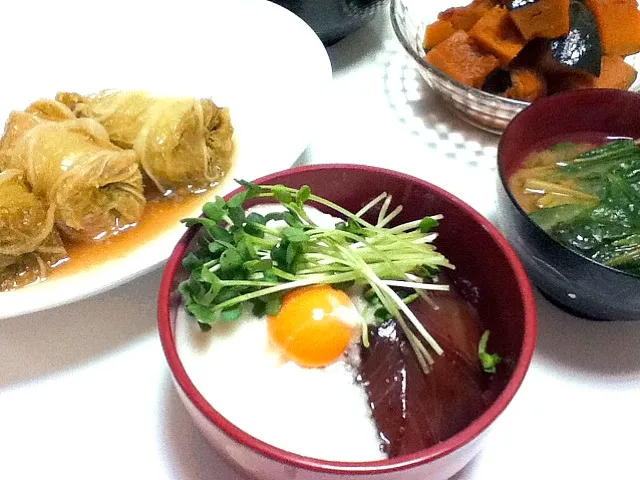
215,210
255,266
253,190
237,200
236,214
275,216
489,360
427,224
230,259
303,195
209,277
295,235
213,229
256,218
270,276
259,308
273,306
203,314
216,248
254,222
204,327
191,262
231,314
279,254
344,285
246,250
292,220
291,254
282,194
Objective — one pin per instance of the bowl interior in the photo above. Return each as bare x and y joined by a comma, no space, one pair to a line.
560,117
505,299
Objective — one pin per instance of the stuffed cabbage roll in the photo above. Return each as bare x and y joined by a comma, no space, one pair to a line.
19,122
95,186
29,243
180,142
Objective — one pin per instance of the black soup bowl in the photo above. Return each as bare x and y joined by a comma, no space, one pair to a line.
572,281
333,19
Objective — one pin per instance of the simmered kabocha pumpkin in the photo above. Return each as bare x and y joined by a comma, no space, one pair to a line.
460,58
581,48
540,46
615,73
498,81
496,33
526,85
540,18
619,25
519,83
454,19
437,33
463,18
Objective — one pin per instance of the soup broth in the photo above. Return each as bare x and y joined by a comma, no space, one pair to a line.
586,195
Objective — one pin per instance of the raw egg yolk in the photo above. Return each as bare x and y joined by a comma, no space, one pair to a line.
314,326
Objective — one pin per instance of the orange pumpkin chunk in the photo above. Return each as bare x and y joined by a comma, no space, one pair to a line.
437,33
463,18
619,25
566,82
496,33
527,85
615,73
461,59
543,19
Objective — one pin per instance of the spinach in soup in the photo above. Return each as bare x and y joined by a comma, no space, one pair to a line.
586,197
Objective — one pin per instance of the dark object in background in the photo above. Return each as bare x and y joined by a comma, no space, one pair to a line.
332,20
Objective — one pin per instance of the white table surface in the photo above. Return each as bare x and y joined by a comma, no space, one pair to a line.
85,392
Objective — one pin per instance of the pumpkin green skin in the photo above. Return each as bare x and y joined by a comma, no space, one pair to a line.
514,4
582,48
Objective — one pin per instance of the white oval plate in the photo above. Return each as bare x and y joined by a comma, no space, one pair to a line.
253,56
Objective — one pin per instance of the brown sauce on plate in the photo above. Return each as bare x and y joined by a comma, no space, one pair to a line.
160,214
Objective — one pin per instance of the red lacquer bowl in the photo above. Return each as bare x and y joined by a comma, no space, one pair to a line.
482,256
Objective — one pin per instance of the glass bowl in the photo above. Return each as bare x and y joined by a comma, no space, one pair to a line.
484,110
